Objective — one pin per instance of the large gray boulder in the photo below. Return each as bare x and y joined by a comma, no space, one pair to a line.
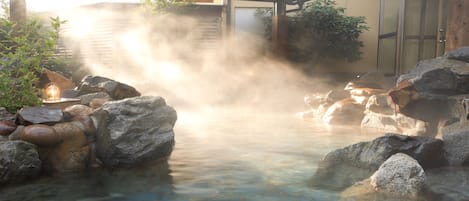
398,178
423,106
115,89
134,130
457,148
363,190
400,174
461,54
343,167
19,160
439,76
426,92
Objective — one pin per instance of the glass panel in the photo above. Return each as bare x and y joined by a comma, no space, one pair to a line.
410,55
431,17
429,49
412,17
247,22
387,55
389,16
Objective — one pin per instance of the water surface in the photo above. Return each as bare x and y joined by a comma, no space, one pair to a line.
219,155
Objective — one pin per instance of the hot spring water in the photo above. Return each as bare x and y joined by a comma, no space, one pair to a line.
218,156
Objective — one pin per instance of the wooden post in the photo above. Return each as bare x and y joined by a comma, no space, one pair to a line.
17,10
279,35
457,32
280,30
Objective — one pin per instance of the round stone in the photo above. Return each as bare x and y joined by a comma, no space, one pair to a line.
6,127
79,110
41,135
98,102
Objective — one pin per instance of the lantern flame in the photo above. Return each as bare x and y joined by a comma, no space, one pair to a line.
52,92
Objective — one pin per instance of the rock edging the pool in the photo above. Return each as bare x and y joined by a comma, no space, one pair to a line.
341,168
134,130
430,100
109,126
393,166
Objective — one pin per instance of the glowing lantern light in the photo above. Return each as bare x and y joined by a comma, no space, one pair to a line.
52,92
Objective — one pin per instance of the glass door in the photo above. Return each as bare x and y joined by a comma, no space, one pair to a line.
419,33
388,32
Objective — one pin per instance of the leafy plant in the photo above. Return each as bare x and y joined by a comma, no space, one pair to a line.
167,6
321,32
265,15
24,50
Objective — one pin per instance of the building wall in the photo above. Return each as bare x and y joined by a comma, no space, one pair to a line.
457,33
96,33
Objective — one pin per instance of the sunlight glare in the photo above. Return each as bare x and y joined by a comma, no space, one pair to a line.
48,5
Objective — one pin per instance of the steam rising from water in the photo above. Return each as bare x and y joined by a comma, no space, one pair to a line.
161,56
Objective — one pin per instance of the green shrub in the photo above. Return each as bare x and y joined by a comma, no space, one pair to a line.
320,32
265,15
24,50
167,6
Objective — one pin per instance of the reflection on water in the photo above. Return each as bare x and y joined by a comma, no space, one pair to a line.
217,156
